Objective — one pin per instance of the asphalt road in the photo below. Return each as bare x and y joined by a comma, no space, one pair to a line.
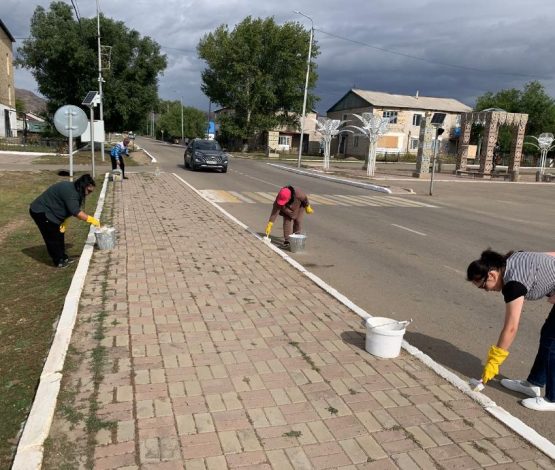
406,258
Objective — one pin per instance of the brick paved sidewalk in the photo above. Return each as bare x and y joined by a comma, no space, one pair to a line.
198,347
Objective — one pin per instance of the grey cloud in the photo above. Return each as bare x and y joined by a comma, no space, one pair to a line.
494,36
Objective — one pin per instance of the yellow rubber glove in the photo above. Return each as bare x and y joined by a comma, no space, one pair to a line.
93,221
496,357
269,228
308,209
63,225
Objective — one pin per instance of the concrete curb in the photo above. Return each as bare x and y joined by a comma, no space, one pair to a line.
371,187
38,154
520,428
152,157
30,449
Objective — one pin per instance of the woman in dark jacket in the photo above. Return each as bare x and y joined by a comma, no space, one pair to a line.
51,209
291,203
519,276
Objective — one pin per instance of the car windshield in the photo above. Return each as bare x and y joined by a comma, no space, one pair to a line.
207,145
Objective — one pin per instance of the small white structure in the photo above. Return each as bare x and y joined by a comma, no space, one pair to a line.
328,128
373,127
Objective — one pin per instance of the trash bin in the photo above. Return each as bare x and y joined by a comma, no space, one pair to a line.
105,238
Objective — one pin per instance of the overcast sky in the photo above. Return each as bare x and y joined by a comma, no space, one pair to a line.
457,49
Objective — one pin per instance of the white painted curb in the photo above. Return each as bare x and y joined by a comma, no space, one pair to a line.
37,154
37,427
152,157
522,429
372,187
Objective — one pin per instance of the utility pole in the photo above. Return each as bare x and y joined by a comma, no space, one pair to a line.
305,85
100,80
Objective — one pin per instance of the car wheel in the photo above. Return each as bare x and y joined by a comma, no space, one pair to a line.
224,169
192,166
186,164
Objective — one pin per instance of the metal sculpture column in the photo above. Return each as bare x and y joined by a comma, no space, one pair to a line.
328,128
544,145
373,127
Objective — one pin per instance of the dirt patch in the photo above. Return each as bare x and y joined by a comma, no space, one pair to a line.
140,157
10,227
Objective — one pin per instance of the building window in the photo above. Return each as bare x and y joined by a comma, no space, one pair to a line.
414,144
284,140
416,119
355,143
392,115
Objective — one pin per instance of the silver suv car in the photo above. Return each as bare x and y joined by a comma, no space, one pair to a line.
205,153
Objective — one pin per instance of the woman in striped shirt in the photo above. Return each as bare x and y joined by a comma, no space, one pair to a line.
520,276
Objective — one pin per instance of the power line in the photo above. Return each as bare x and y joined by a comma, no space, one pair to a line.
76,11
422,59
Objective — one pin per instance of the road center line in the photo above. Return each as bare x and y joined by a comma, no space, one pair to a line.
409,230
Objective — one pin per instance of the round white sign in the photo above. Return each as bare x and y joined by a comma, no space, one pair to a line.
70,114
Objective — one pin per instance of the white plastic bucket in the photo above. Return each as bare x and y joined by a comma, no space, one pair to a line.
384,336
105,238
117,175
297,242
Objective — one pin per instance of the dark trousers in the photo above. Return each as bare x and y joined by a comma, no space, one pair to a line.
53,239
543,370
121,164
292,225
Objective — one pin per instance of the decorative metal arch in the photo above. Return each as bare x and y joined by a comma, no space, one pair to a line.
492,119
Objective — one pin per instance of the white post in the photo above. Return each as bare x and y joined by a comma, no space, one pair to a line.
305,87
92,141
182,136
100,77
70,121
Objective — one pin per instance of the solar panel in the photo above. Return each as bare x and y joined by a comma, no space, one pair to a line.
91,99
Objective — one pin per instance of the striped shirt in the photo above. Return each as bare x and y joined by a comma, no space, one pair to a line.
535,271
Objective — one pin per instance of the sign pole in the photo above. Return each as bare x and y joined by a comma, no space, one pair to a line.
70,119
92,141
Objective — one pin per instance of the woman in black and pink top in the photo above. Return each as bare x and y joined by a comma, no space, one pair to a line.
520,276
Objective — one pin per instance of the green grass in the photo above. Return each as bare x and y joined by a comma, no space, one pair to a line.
33,293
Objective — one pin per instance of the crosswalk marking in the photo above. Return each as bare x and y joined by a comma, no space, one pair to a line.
250,197
243,198
321,200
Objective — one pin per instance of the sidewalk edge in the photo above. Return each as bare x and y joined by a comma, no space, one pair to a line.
513,423
30,448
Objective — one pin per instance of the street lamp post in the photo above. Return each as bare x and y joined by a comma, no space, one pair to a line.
305,85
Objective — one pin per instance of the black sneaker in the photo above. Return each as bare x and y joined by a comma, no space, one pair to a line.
63,264
286,243
125,178
70,260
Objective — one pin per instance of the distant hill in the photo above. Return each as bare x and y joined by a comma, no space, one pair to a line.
33,103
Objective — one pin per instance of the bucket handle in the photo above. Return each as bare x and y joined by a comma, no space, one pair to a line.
395,322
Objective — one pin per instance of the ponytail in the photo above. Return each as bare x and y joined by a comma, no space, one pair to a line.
489,261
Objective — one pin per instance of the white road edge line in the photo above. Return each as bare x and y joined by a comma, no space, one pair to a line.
30,448
372,187
522,429
409,230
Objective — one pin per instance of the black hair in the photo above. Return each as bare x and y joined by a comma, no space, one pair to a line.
81,184
489,261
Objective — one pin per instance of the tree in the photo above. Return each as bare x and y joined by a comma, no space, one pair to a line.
194,121
62,55
258,72
532,100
